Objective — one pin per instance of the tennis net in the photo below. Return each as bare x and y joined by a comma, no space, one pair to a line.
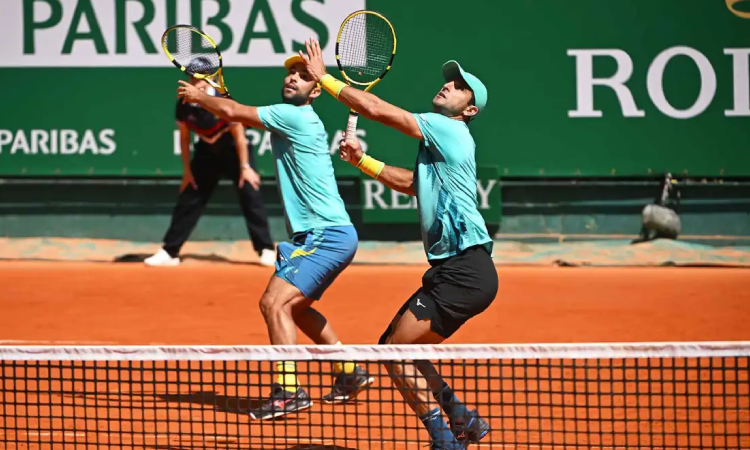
538,396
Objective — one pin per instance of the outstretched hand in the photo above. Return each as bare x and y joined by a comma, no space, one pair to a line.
189,93
316,68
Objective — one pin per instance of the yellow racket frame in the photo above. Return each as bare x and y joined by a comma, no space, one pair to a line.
348,80
353,115
220,86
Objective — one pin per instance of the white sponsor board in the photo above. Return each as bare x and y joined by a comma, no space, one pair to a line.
127,33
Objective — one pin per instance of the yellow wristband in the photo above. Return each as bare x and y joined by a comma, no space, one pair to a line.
370,166
332,85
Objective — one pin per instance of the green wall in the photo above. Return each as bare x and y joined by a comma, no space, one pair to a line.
533,55
580,89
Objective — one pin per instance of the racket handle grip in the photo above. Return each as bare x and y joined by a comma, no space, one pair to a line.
351,127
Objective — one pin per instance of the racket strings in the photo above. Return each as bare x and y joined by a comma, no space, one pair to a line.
193,51
366,47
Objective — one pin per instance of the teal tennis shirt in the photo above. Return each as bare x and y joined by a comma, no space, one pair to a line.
446,185
304,168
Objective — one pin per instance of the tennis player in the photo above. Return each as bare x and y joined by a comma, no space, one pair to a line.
323,242
462,281
222,150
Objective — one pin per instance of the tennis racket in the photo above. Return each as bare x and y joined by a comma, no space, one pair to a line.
195,53
365,48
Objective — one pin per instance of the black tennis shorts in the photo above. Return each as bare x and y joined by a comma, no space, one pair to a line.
454,290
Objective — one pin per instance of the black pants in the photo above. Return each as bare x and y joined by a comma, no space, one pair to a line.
209,164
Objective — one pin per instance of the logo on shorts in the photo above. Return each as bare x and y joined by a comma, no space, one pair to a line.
300,252
419,303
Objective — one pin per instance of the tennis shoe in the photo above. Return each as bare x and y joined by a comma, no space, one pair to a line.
469,429
281,403
347,386
162,259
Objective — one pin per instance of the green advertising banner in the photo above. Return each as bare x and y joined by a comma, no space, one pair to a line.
576,88
381,204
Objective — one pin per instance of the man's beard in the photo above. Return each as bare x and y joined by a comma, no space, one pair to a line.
296,99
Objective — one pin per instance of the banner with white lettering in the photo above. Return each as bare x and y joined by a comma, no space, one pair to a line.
127,33
380,204
622,88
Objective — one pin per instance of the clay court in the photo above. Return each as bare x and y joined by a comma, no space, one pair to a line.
216,304
200,304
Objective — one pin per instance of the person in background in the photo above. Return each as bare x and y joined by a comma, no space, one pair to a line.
222,150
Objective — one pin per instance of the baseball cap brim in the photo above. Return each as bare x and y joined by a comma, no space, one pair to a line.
292,60
453,70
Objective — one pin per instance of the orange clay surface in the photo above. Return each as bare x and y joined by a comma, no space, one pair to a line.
82,303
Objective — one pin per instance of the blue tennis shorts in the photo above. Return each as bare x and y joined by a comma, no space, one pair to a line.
313,259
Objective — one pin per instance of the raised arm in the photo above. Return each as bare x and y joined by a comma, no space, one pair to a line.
227,109
366,104
372,107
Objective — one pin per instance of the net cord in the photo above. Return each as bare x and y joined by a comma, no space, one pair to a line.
702,349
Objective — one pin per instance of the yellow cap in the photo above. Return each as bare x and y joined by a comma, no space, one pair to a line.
292,60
